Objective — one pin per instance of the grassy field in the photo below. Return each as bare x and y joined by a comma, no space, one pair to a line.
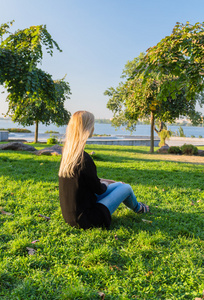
154,256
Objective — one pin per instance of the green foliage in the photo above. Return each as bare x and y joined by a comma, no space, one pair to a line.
27,111
28,42
186,149
130,100
19,55
179,56
33,95
104,134
174,150
52,140
164,134
200,136
134,259
138,98
189,149
17,130
181,132
51,131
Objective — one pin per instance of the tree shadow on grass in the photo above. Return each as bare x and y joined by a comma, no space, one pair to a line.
173,223
29,167
41,168
168,179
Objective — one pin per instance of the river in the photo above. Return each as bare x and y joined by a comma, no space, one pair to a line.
141,130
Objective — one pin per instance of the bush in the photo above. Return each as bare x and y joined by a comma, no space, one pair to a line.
181,132
200,136
174,150
164,134
51,131
52,140
18,130
192,136
189,149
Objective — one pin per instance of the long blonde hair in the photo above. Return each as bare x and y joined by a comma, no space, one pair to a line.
80,127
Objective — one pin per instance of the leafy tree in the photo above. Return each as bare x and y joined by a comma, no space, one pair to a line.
138,99
165,82
19,55
29,111
33,95
182,55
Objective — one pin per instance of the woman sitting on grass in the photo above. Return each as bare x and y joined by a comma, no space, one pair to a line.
87,201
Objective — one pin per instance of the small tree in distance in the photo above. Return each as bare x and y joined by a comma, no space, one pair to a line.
137,99
29,112
164,83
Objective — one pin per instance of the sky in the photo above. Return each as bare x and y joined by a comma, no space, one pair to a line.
97,39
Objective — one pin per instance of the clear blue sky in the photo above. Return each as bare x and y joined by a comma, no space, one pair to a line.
97,37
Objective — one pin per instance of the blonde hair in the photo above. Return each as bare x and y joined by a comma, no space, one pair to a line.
80,127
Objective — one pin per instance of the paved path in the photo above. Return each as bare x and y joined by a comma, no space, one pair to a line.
179,141
173,141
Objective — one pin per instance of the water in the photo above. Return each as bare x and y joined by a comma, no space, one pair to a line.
141,130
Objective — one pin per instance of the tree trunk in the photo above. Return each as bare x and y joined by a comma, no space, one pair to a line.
161,126
152,133
36,132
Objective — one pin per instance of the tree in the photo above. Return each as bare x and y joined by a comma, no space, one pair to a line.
19,55
31,90
137,98
165,82
29,111
182,55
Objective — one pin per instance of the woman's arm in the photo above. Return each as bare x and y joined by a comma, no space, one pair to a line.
89,174
107,181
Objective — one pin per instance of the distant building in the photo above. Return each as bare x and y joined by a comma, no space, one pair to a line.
182,120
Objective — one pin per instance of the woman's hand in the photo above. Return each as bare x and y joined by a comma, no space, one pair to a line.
107,181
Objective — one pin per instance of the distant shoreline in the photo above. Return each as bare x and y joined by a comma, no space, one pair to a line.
108,121
100,129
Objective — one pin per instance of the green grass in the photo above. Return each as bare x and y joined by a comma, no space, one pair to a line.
132,260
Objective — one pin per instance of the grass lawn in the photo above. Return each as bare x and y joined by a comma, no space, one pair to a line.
135,259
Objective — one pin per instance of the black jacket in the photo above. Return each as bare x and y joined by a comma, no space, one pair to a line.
78,199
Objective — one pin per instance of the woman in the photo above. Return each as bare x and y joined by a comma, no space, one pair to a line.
87,201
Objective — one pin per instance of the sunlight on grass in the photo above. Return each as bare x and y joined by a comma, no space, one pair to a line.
132,260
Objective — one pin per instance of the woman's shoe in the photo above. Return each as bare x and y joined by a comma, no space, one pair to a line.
143,208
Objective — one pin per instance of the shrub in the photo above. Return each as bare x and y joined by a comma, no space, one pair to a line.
174,150
189,149
192,136
52,140
181,132
95,134
18,130
200,136
51,131
164,134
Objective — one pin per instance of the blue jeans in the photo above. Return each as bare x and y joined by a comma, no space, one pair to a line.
115,194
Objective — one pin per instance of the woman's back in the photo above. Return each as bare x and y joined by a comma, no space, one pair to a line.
78,197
